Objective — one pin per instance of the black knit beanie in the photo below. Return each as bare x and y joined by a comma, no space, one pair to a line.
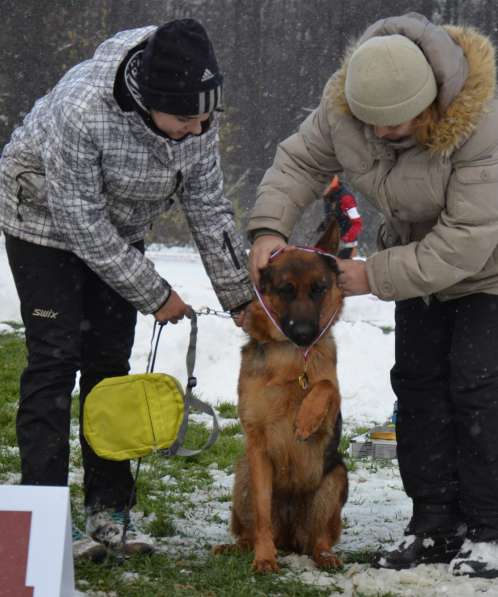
179,73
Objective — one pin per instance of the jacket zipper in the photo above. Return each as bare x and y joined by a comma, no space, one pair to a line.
227,244
178,184
19,201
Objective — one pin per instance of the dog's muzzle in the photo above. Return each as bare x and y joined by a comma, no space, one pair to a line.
301,333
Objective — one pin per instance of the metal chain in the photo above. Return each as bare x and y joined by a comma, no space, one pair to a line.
211,311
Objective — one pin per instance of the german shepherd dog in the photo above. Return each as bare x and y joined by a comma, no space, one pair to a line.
291,484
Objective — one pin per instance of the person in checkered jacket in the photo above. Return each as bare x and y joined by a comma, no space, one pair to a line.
97,160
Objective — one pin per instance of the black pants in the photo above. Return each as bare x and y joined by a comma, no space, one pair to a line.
73,321
446,381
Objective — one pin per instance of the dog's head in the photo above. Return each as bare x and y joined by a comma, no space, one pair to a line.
300,290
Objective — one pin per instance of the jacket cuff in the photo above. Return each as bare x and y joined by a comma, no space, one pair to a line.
379,278
240,308
236,297
162,301
254,234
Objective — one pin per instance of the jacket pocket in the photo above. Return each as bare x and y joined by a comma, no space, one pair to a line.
31,186
30,189
477,173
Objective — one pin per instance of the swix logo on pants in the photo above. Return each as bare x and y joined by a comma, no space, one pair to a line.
45,313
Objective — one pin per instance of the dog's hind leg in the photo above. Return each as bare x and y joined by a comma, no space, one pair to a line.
243,538
325,518
242,523
323,397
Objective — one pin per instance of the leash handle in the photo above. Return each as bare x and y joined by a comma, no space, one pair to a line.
190,401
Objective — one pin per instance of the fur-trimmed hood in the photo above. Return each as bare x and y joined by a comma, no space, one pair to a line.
471,53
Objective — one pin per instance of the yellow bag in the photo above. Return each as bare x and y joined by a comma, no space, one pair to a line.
131,416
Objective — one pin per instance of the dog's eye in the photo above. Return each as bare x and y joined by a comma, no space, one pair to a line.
318,290
287,291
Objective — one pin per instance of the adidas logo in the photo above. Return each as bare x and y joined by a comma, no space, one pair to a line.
45,313
207,75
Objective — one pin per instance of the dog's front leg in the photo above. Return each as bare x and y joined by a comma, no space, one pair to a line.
323,396
261,473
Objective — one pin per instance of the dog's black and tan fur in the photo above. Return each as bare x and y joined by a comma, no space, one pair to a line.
291,484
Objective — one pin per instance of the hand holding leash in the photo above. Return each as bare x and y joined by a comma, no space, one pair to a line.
173,310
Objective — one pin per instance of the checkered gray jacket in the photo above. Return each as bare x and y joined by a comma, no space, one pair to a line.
82,175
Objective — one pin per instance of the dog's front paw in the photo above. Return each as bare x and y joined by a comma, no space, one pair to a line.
266,565
311,415
305,426
327,560
265,558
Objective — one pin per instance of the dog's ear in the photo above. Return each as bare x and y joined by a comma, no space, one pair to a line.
265,278
329,241
331,263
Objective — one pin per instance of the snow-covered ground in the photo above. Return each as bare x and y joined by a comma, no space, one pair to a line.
377,509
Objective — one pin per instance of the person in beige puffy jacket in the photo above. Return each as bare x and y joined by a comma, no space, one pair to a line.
411,121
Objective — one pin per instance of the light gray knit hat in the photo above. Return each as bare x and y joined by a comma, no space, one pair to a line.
389,81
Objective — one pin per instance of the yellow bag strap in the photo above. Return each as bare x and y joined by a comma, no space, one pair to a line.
189,400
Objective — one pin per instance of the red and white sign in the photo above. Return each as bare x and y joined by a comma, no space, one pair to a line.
36,556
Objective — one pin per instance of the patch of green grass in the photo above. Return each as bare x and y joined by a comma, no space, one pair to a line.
227,410
234,429
75,407
162,525
12,362
225,452
358,557
9,462
212,576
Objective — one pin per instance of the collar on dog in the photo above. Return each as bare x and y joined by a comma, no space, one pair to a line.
303,378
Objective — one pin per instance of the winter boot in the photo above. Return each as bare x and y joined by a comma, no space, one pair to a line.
85,548
476,559
107,527
421,549
434,535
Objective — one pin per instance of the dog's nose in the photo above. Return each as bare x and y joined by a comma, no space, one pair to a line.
301,333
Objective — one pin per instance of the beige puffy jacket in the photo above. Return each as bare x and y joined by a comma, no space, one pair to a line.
439,201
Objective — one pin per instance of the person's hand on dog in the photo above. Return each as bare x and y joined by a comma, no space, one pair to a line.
173,310
353,278
260,253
